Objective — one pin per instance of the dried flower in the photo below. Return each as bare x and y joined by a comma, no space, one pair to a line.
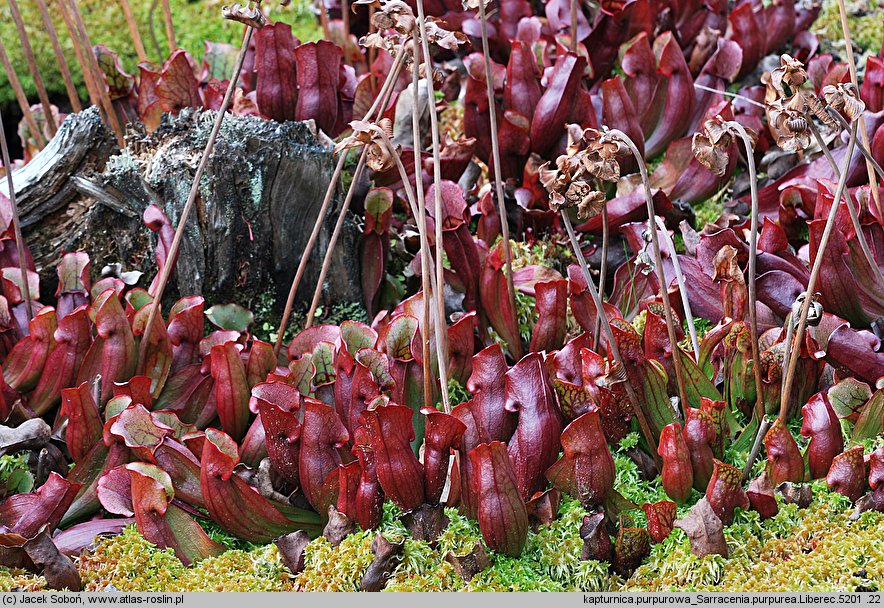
444,38
378,155
787,121
600,156
248,15
790,73
814,313
842,97
711,148
567,189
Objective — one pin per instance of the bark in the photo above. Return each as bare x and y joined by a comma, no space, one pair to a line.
260,195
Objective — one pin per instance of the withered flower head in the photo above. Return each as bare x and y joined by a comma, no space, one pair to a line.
469,5
814,313
710,148
787,121
790,73
600,156
395,15
248,15
365,133
842,97
566,189
442,37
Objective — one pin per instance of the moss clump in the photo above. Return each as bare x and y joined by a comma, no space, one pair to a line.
130,563
814,549
863,20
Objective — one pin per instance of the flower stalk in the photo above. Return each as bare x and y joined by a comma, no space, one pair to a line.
16,224
32,66
621,137
495,158
380,102
20,97
441,331
69,87
808,299
851,66
617,364
172,258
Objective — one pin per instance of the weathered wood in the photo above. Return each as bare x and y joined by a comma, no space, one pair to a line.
260,195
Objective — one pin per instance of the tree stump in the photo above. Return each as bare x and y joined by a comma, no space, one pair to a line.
259,198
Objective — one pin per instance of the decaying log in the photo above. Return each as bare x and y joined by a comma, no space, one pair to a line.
260,195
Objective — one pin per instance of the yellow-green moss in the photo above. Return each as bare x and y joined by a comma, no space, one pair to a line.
864,20
130,563
815,549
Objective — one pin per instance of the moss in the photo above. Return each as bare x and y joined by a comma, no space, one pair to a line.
194,23
128,562
863,21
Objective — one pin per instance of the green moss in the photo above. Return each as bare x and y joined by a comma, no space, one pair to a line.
863,21
194,23
130,563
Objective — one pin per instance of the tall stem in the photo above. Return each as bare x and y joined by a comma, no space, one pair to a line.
753,255
863,150
814,275
852,208
495,159
683,290
425,254
133,30
573,45
851,65
379,104
32,66
16,224
603,270
73,96
170,26
21,98
96,73
172,255
422,218
658,262
336,233
91,86
441,324
609,336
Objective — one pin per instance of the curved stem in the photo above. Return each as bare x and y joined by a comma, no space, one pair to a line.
609,336
658,262
339,225
683,290
495,159
379,104
753,256
852,207
814,275
16,225
441,325
172,256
